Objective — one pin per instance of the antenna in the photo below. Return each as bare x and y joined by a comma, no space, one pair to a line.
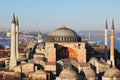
89,35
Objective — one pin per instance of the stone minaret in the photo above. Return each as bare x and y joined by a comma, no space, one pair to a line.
39,37
13,61
106,41
112,42
17,38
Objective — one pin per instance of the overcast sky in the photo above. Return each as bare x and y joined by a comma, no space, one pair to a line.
46,15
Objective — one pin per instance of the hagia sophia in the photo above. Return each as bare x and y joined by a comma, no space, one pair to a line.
61,56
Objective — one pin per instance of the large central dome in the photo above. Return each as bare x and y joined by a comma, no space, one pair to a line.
63,34
63,31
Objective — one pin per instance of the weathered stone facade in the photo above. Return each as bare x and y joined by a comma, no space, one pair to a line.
60,50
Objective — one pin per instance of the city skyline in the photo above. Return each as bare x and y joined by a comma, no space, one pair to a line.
77,40
49,15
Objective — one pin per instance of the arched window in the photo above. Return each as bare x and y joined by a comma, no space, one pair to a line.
94,63
60,39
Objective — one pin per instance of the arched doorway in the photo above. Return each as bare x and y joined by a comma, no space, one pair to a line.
65,52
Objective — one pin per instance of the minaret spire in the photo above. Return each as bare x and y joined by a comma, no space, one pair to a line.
13,20
112,24
112,44
106,26
13,61
17,38
17,23
106,41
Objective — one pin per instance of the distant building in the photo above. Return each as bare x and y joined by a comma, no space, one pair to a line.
62,56
8,34
40,37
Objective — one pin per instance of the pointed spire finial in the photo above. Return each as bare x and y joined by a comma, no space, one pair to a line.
17,23
63,25
113,24
106,27
13,20
39,33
